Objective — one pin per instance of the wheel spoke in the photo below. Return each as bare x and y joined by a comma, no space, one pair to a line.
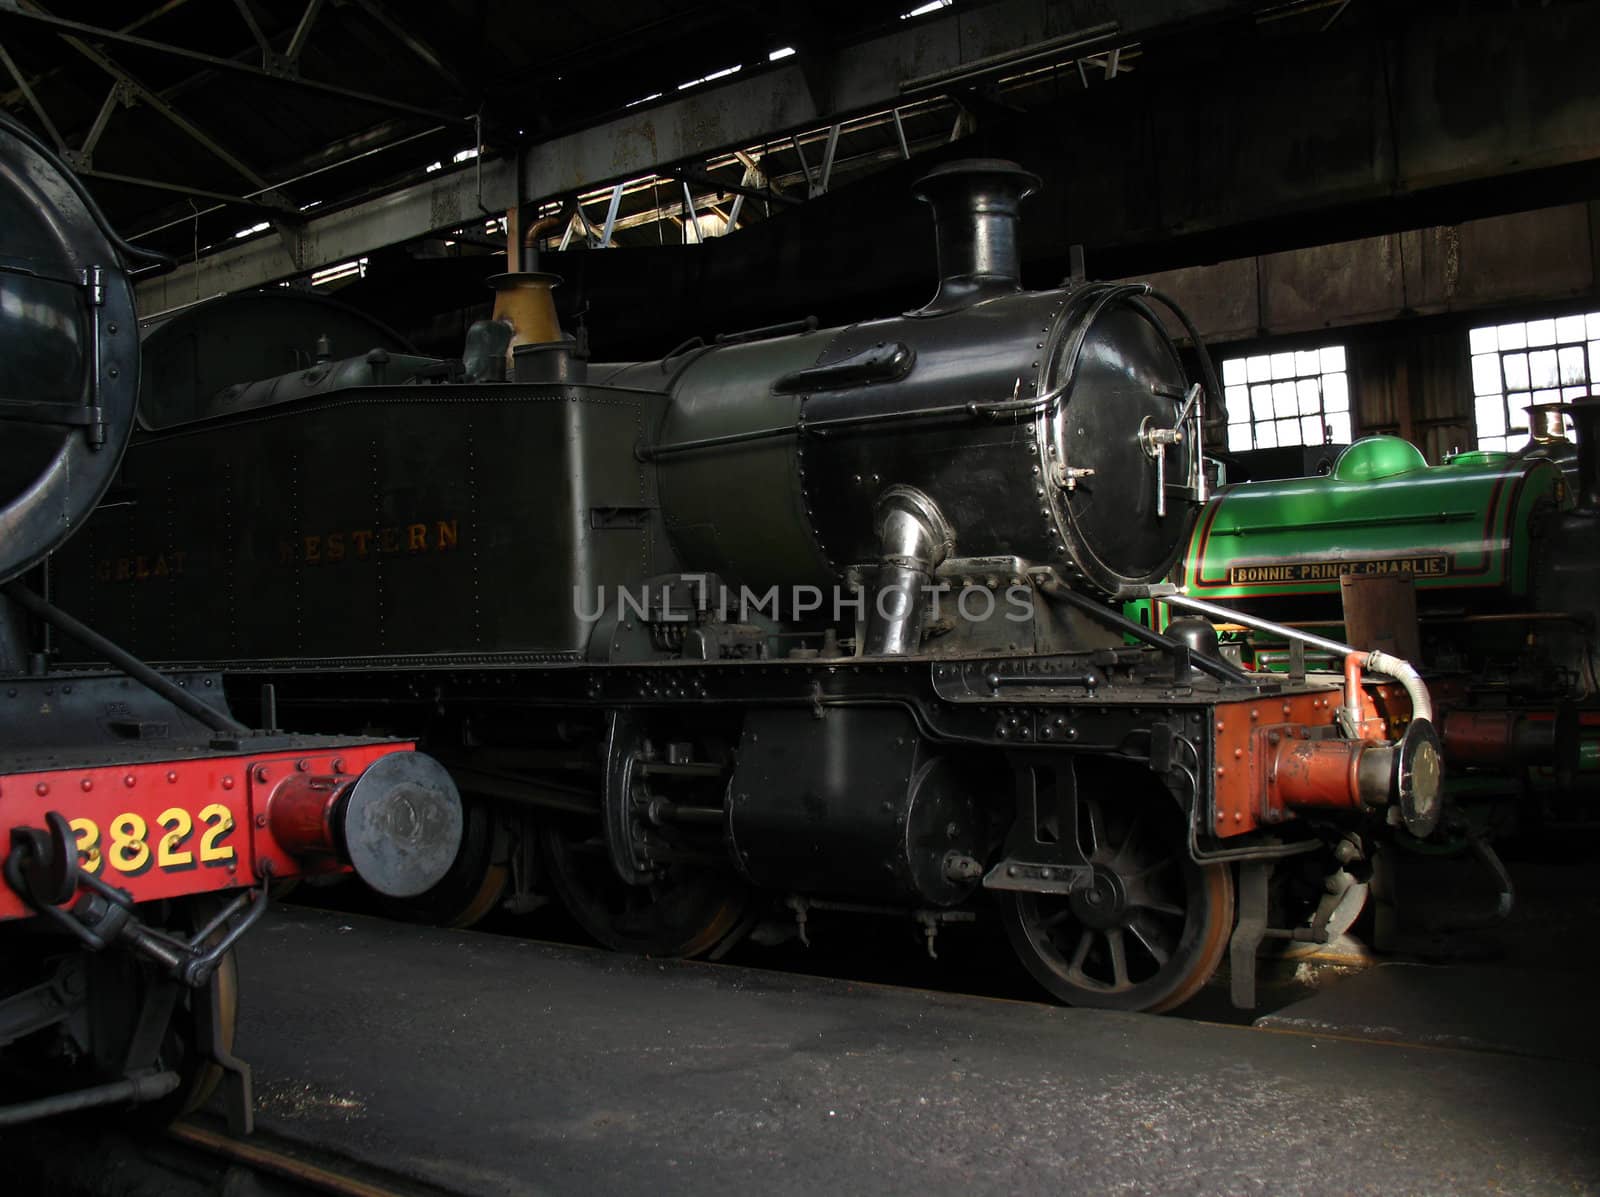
1152,945
1097,828
1056,919
1158,906
1119,957
1085,942
1129,842
1150,869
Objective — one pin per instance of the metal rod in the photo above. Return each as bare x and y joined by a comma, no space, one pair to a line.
300,178
64,26
742,188
690,217
151,98
1376,660
1076,41
33,100
611,217
828,153
255,29
1218,669
135,1088
121,658
1229,615
101,120
238,201
805,166
900,134
302,32
412,42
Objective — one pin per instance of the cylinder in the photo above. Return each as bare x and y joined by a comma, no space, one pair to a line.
1331,774
1495,737
1354,775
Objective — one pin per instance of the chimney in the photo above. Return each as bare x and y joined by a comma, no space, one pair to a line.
1585,415
975,202
1545,425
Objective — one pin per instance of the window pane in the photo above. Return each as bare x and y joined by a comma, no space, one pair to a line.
1283,365
1310,396
1486,374
1568,394
1593,321
1238,401
1261,402
1259,369
1239,437
1541,332
1233,371
1267,435
1284,402
1333,359
1483,340
1311,430
1335,393
1594,361
1339,427
1289,432
1512,336
1306,362
1491,416
1569,328
1572,368
1542,367
1518,419
1516,365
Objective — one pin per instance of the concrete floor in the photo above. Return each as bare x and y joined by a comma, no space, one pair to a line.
485,1064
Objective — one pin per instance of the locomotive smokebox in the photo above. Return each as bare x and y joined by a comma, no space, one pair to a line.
975,203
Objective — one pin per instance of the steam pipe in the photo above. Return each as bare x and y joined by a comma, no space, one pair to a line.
1376,661
915,538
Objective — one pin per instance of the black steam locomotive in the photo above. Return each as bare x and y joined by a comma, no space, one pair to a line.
143,822
797,619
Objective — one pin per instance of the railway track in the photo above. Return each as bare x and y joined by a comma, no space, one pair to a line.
191,1159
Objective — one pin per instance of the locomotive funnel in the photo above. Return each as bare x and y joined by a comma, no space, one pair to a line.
1585,415
975,203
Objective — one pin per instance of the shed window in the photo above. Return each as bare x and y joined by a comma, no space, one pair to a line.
1526,362
1299,397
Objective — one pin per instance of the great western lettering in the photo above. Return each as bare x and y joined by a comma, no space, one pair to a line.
359,544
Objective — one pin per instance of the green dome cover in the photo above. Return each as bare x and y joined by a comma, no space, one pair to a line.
1378,457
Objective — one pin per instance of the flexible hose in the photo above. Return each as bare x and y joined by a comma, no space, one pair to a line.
1405,673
